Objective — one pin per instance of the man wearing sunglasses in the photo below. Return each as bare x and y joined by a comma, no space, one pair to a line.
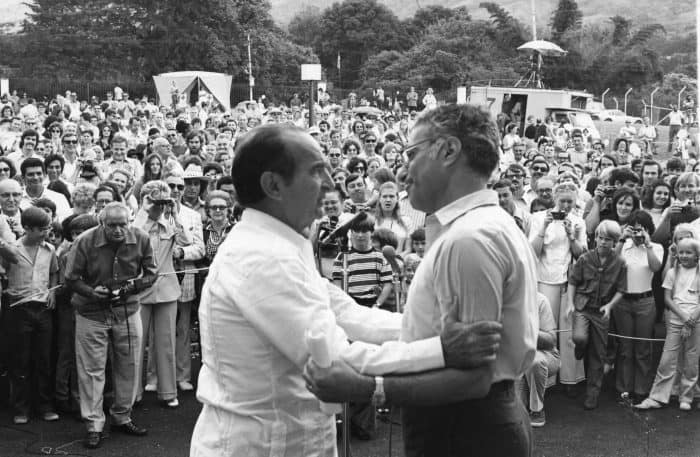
370,144
466,276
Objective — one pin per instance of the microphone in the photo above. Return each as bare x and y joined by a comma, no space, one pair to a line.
389,254
342,230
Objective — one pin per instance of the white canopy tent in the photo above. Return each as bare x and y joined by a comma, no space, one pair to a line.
217,84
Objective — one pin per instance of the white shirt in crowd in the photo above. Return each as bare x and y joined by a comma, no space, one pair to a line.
262,293
553,262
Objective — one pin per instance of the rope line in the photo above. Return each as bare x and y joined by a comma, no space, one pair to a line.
38,294
624,337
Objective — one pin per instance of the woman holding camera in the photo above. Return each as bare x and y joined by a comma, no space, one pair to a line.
558,237
159,303
683,208
636,313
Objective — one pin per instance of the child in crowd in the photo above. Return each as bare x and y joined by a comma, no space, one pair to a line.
596,285
56,235
67,397
385,237
418,242
30,316
369,276
681,286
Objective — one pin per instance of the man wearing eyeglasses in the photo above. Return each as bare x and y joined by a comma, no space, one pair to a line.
516,174
70,154
465,276
538,169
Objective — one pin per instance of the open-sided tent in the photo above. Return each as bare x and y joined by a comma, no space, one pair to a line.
188,82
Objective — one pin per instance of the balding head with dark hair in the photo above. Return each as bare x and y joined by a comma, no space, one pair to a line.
280,170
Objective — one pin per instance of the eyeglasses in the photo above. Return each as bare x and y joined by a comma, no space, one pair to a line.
545,190
333,155
409,150
11,194
70,141
177,186
55,131
540,169
4,169
370,141
218,208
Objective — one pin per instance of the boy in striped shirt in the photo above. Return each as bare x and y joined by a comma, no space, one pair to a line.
369,275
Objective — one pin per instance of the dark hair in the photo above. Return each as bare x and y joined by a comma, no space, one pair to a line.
592,184
622,193
32,162
475,129
8,162
81,222
54,157
649,163
363,224
418,234
618,141
642,218
354,162
28,133
57,228
223,181
111,188
353,177
622,175
674,163
34,217
501,183
383,175
648,194
353,142
46,203
385,237
261,150
212,166
147,174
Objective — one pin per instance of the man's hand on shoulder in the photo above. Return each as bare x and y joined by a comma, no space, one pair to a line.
470,345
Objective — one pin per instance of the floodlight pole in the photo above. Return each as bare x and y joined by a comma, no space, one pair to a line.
602,97
651,115
250,70
626,94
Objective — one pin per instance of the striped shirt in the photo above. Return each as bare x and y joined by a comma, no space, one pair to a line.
367,273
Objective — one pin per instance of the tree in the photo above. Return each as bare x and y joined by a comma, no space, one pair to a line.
304,26
357,29
566,17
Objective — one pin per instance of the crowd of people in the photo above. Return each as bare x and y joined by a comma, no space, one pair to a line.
111,211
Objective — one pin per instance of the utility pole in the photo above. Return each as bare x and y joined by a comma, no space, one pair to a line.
251,80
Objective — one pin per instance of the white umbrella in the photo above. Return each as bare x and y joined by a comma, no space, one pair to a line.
545,48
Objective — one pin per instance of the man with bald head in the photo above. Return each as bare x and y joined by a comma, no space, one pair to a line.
263,293
102,270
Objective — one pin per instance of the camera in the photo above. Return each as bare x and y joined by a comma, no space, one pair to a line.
558,215
638,236
609,191
162,202
687,209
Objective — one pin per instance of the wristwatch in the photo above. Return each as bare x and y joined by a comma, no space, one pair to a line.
378,397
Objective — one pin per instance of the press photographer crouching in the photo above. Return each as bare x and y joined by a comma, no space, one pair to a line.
107,266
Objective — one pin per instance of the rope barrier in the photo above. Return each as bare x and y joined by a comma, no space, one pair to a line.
38,294
624,337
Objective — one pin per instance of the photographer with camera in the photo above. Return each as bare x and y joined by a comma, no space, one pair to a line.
683,208
603,205
558,237
159,304
107,266
635,314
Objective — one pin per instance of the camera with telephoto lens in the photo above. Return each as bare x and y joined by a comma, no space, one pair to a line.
558,215
609,191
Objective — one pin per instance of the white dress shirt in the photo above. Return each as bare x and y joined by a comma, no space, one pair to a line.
554,260
480,267
260,297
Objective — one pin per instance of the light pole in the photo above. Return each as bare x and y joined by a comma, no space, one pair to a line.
251,80
679,97
626,94
617,104
602,97
651,116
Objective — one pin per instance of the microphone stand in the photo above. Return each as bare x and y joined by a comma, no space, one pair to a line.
344,243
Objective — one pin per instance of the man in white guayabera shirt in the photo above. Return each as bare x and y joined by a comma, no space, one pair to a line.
263,293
